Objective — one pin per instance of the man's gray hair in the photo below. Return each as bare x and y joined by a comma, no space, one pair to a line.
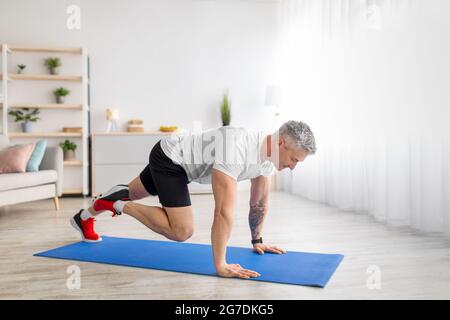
298,134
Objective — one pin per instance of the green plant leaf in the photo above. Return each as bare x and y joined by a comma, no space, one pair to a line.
61,92
20,116
68,145
52,63
225,110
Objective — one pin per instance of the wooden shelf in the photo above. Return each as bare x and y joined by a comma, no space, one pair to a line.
73,163
44,134
51,77
45,49
44,106
146,133
72,191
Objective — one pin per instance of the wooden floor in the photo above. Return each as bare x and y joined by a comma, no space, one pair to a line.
412,265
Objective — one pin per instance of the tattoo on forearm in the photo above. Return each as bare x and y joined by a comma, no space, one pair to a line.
255,218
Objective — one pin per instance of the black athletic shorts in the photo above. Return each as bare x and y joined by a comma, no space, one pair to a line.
166,179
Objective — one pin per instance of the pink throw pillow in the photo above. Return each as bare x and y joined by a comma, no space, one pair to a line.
15,159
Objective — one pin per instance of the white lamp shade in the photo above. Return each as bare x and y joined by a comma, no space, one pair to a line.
112,114
272,96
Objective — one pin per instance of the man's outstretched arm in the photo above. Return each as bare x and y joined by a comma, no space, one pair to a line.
259,207
224,188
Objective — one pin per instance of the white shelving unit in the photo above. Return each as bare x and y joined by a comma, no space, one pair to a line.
82,107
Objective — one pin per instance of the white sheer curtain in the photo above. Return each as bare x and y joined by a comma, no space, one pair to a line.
372,79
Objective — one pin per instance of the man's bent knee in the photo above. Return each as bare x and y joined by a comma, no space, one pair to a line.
181,234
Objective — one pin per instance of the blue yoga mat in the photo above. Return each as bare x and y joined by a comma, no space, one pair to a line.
301,268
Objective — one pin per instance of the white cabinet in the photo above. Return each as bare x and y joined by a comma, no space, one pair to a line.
117,158
123,149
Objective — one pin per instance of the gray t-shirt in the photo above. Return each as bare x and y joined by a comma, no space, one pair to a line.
233,151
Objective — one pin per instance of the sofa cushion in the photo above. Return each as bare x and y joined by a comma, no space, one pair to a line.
37,156
15,159
9,181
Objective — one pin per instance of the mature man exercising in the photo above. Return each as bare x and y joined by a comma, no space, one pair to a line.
221,157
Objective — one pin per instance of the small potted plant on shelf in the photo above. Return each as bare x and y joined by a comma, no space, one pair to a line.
69,148
53,65
225,110
20,68
60,94
25,117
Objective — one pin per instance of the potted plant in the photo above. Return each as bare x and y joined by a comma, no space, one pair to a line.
25,117
20,68
69,148
225,110
53,64
60,94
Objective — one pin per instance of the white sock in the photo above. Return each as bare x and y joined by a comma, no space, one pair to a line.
85,214
118,205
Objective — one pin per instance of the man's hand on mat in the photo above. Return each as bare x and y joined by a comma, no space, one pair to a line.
235,271
261,248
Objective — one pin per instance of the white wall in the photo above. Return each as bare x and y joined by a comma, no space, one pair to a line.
165,61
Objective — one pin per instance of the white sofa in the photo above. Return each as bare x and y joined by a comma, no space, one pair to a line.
29,186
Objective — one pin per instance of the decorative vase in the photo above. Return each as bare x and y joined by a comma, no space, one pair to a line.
19,71
26,126
60,99
54,71
69,155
